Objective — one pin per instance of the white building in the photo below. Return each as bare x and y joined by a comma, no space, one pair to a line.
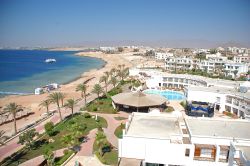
224,94
163,56
224,99
161,139
108,48
242,58
180,63
236,68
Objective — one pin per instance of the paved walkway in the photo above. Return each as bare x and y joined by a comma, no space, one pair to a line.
13,146
112,125
38,160
87,147
85,161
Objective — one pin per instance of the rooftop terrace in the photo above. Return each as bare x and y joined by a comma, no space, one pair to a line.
237,129
153,126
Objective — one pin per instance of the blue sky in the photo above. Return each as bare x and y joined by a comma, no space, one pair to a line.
193,23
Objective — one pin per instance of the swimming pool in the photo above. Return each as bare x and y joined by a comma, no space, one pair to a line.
170,95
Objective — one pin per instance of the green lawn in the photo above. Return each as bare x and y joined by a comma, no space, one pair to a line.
118,131
109,158
120,118
62,129
104,104
60,160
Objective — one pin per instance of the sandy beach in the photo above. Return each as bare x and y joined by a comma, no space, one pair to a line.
33,101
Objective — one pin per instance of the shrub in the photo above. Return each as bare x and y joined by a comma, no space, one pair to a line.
94,109
87,115
66,151
184,104
169,109
49,128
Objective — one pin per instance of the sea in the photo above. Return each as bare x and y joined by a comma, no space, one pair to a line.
21,71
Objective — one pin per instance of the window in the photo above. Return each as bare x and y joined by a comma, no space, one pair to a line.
187,152
206,153
224,154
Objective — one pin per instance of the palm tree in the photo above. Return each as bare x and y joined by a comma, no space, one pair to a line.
83,88
113,81
112,72
107,74
45,104
105,80
121,74
13,108
49,156
68,139
71,104
2,137
97,90
55,98
62,97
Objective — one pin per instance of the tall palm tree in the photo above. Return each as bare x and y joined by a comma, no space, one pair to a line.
71,104
105,80
83,88
112,72
55,98
62,97
107,74
45,104
121,74
13,108
113,81
49,156
97,90
2,137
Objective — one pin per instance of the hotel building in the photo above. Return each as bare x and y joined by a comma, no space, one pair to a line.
158,139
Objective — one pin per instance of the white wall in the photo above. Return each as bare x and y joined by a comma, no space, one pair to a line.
210,97
155,150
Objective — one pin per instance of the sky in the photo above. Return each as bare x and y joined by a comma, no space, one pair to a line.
173,23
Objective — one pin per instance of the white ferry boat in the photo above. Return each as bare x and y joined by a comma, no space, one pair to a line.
50,60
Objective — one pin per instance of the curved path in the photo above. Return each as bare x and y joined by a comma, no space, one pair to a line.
112,125
13,146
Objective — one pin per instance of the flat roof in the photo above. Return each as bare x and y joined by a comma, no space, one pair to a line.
221,90
149,125
245,150
237,129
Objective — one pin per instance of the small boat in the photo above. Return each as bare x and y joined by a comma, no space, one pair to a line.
50,60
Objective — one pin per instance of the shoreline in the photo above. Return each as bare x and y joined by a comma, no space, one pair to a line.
12,93
32,101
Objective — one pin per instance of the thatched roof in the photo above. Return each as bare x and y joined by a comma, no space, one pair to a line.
138,99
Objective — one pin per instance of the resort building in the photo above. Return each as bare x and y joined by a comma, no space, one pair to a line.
162,139
235,69
180,63
223,99
138,101
242,58
163,56
222,95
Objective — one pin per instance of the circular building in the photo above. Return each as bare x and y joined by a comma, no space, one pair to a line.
138,101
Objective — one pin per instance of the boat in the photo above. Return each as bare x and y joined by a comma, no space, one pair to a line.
50,60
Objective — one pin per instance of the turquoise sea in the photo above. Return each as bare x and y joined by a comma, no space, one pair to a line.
21,71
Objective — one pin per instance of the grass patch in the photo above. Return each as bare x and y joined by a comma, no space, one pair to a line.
120,118
63,128
104,104
109,158
169,109
118,131
60,160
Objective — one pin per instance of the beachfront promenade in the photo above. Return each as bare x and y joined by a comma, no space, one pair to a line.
86,150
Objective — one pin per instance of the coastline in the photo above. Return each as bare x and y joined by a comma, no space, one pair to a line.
32,101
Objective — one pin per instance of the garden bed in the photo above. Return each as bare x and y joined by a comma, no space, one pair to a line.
61,129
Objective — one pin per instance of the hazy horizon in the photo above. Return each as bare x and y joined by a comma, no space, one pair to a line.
193,23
